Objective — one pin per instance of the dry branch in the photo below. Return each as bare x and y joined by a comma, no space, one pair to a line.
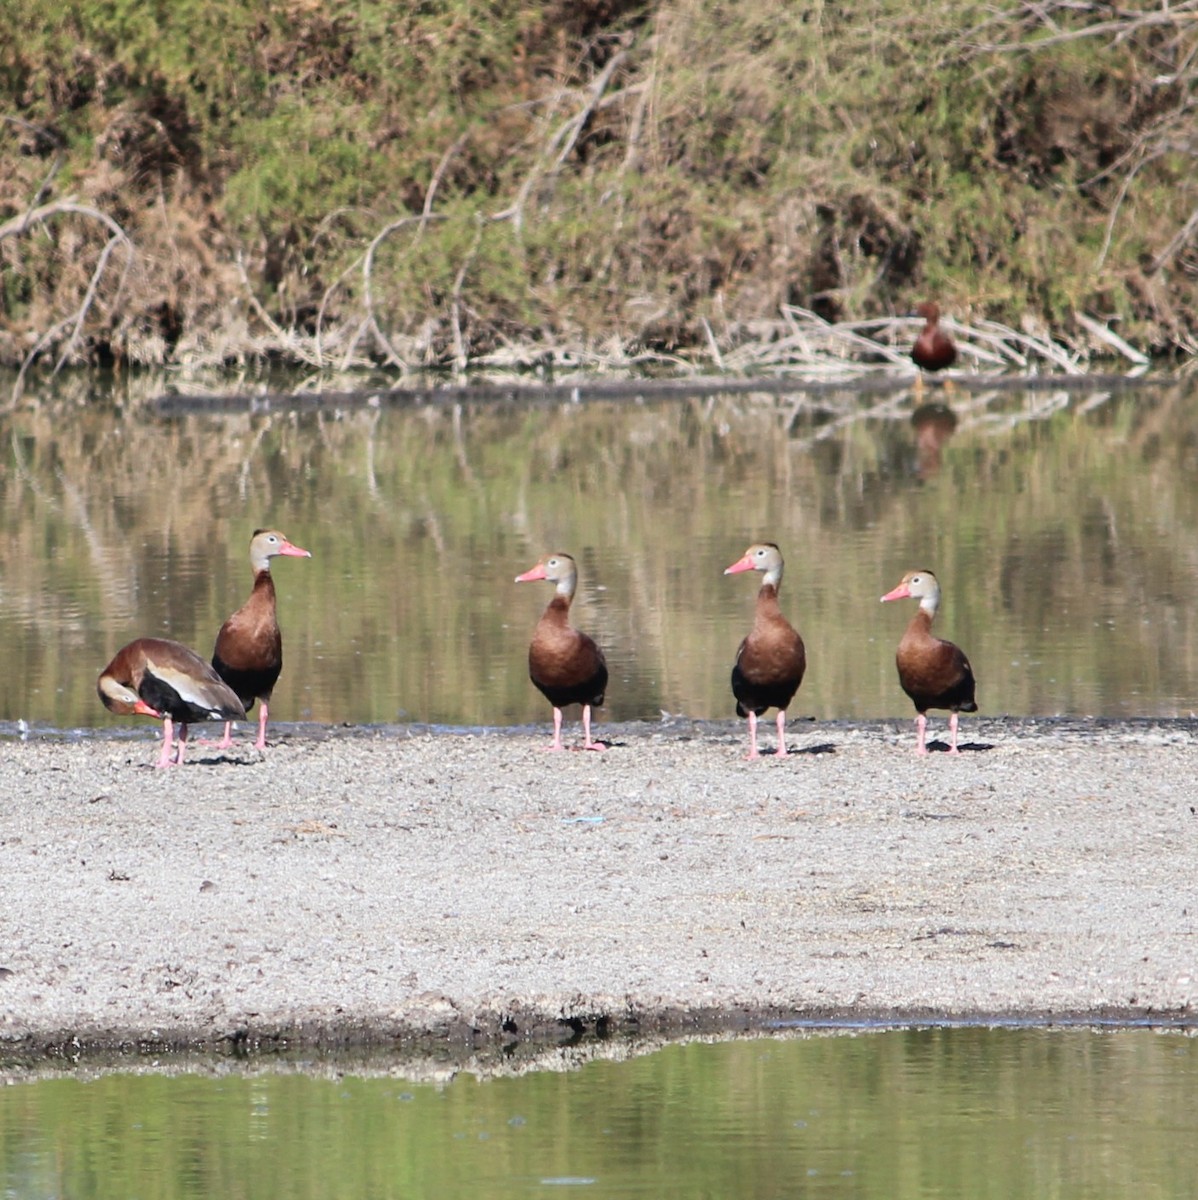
804,341
40,215
1179,239
90,294
1120,29
370,322
1100,331
567,133
18,225
286,338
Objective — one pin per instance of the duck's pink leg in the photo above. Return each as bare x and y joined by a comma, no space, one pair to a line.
781,751
180,745
952,733
752,735
556,744
225,742
587,744
921,726
168,735
260,744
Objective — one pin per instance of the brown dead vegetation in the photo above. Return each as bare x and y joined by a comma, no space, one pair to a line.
602,183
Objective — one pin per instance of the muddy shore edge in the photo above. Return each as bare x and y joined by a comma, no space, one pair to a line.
462,893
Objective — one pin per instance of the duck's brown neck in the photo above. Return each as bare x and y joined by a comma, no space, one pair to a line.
264,584
767,601
558,609
921,623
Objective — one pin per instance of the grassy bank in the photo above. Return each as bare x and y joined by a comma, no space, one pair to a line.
214,181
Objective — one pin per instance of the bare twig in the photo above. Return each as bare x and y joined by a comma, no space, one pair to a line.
40,215
804,340
45,340
285,337
566,137
370,323
446,158
318,336
18,225
713,345
1178,240
455,305
90,294
1119,30
1100,331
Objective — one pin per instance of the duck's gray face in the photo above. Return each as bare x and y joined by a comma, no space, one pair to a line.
560,569
123,700
764,557
917,585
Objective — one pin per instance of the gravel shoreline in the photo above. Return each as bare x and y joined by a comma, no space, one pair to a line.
401,887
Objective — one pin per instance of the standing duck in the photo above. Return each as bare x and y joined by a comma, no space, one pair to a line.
771,660
933,672
157,678
248,654
563,662
933,349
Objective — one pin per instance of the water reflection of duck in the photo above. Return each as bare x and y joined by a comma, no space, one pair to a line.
933,672
933,349
248,654
771,660
158,678
934,424
564,663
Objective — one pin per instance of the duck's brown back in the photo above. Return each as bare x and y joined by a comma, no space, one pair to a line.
174,680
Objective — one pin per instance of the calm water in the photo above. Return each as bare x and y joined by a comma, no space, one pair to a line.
921,1114
1063,527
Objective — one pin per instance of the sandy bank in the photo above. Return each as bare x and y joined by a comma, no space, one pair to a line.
361,887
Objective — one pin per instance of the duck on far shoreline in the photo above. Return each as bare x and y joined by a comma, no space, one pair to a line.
933,350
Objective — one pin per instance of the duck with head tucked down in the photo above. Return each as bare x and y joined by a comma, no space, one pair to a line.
155,677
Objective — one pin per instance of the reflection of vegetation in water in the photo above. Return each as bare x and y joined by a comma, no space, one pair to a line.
891,1115
1066,548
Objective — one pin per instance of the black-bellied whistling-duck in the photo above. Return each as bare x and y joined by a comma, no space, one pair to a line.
248,654
933,349
771,660
158,678
564,663
933,672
